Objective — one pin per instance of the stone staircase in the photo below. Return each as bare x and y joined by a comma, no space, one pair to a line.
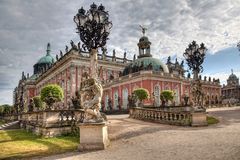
10,125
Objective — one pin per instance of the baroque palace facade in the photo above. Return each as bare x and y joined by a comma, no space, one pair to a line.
231,91
119,76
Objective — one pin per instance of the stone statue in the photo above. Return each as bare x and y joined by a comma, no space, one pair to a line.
114,53
169,60
125,55
91,96
73,45
176,61
143,29
61,54
182,63
91,93
134,57
66,49
104,52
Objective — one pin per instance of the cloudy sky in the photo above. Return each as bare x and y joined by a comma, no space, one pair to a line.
26,26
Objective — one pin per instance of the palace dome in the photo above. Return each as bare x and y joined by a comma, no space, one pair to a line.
145,61
143,64
48,59
232,77
156,63
144,39
44,62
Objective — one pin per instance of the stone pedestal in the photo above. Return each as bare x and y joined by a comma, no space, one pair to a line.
199,119
93,136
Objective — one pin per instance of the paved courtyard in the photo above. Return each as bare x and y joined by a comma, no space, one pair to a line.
134,139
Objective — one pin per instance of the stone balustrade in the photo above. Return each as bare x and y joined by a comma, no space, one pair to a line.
50,123
160,116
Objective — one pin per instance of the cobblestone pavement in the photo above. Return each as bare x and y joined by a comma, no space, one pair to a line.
133,139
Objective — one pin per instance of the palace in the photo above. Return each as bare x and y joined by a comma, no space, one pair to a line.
231,91
119,77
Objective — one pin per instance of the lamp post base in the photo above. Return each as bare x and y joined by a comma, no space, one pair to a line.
199,118
93,136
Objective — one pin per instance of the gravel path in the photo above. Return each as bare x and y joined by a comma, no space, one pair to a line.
132,139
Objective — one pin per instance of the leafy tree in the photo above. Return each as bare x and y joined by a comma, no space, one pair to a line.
1,110
141,94
166,95
51,93
38,103
6,109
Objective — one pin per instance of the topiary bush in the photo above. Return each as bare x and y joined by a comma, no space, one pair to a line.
166,95
51,93
141,94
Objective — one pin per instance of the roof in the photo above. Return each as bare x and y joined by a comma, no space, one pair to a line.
46,59
155,63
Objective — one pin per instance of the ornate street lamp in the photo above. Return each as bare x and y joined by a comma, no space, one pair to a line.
93,28
194,56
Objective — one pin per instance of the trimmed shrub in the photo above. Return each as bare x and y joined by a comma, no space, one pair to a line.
166,95
141,94
51,93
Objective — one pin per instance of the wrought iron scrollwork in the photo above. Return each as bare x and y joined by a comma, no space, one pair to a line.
93,26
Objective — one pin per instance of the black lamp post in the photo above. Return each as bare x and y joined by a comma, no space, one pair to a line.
93,26
194,56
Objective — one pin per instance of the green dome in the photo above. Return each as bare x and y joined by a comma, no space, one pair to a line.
156,63
143,39
145,63
48,59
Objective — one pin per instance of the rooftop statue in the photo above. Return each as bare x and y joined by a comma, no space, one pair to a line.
61,54
66,49
143,29
73,45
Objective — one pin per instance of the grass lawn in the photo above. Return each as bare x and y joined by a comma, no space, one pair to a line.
212,120
21,144
1,122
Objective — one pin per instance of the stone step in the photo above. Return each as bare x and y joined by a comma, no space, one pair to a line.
10,125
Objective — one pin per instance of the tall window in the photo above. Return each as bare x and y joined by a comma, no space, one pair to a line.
115,100
125,98
106,102
157,95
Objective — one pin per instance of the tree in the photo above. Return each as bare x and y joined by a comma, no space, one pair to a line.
166,95
141,94
51,93
6,109
38,103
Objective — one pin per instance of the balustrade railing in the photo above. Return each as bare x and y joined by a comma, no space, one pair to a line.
52,118
160,116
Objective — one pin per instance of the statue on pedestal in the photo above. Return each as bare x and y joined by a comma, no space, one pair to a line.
91,93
